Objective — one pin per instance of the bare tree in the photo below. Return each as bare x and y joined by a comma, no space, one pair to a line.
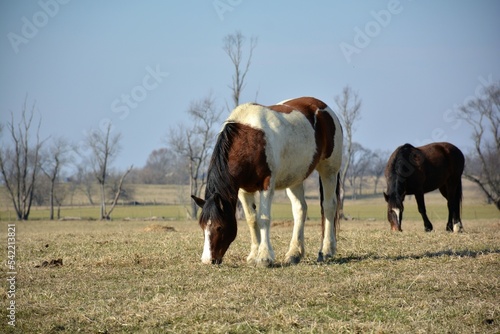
233,46
349,109
104,147
118,191
83,180
360,165
483,168
54,159
377,168
20,161
196,143
158,166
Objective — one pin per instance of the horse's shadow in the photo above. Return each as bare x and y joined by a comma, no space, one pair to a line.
340,260
449,252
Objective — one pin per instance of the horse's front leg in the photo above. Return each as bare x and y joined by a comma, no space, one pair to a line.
248,203
299,208
421,208
265,256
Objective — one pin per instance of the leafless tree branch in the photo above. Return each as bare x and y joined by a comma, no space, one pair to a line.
233,46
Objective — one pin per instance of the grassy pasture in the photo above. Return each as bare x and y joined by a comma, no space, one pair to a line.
134,274
139,276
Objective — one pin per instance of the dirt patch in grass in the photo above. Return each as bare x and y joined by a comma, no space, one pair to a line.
159,228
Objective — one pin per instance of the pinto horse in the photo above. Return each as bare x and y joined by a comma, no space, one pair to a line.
261,149
418,170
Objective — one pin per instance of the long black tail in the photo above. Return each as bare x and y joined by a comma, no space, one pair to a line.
321,198
337,209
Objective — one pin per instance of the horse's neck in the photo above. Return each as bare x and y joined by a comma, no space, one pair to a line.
397,186
223,187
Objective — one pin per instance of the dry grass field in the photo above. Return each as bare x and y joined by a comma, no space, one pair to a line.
143,276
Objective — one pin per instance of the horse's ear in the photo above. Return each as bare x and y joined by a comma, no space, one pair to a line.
386,197
200,202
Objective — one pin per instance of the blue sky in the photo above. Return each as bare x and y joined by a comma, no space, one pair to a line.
411,62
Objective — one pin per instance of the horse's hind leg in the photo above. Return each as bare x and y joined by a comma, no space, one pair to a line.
299,208
457,221
453,196
449,199
423,212
328,216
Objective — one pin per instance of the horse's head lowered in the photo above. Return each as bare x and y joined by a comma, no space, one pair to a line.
400,167
394,209
218,222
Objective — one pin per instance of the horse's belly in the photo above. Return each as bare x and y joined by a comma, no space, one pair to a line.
293,165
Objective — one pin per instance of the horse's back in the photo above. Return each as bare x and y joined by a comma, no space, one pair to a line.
444,156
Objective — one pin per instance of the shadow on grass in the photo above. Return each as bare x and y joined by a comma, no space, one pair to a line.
461,253
367,257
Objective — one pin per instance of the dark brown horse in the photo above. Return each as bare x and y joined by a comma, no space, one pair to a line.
418,170
261,149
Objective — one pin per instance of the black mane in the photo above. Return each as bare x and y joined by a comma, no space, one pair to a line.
219,180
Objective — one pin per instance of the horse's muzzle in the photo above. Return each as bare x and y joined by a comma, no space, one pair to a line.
395,227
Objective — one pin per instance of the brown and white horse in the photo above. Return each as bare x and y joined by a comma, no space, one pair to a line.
418,170
261,149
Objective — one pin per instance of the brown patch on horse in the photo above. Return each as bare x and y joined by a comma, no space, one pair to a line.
325,132
247,159
308,106
322,122
282,108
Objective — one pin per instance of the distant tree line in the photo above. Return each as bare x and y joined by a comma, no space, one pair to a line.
50,171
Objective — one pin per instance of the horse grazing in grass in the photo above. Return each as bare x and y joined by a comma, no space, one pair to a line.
418,170
261,149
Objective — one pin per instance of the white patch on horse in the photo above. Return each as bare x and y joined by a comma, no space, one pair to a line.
397,212
206,257
289,138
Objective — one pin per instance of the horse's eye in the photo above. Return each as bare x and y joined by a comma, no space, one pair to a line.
219,229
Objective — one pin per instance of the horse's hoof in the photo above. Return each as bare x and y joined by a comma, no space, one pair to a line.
324,258
292,260
458,229
251,259
320,257
266,263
